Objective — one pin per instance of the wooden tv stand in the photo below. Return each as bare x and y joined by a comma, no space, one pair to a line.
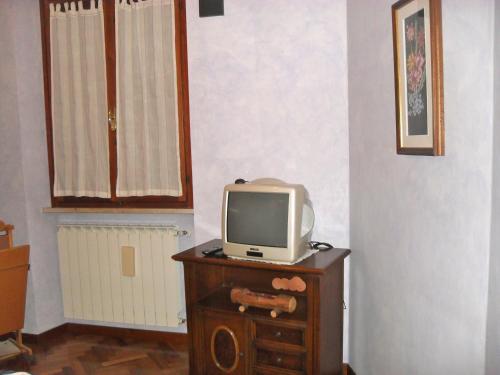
224,340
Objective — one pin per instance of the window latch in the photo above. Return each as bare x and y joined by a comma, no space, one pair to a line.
112,120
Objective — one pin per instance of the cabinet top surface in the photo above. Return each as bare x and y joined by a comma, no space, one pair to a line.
317,263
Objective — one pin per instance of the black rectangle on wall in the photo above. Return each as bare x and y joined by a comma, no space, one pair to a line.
210,8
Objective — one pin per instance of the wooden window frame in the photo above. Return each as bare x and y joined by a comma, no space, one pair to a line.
184,201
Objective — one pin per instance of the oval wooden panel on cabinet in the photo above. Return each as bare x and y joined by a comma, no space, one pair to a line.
225,344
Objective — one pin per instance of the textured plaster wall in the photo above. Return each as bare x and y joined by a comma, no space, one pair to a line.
420,226
268,97
493,327
12,179
42,237
12,197
24,183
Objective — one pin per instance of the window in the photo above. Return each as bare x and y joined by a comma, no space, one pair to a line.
105,94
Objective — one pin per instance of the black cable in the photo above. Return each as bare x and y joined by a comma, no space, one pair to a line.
321,246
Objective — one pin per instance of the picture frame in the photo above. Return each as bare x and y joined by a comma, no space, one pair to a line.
418,77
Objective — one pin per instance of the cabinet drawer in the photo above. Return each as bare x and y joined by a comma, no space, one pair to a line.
293,336
281,360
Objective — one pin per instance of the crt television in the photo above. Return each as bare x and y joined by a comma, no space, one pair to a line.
266,219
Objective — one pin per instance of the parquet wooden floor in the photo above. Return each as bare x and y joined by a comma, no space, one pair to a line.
78,354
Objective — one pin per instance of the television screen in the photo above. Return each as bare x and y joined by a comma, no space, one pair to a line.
259,219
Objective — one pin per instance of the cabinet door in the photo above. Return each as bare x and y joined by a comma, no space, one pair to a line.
225,344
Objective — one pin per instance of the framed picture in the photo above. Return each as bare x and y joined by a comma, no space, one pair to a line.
418,67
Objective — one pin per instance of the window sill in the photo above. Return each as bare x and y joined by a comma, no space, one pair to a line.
85,210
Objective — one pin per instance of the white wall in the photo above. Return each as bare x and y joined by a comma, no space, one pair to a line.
24,183
420,226
31,109
493,326
10,151
12,197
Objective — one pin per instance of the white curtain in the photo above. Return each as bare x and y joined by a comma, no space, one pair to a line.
79,101
147,114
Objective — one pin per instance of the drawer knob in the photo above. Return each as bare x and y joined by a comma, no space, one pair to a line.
278,334
279,360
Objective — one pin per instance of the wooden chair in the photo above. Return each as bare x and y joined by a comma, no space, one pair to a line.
14,265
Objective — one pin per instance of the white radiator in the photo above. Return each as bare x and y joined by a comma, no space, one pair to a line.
120,273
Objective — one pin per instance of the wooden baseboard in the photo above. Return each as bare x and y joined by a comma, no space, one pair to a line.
348,370
178,340
43,337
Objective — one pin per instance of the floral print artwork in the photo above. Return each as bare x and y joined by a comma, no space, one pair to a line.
416,87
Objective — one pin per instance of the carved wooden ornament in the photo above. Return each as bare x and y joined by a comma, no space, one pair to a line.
295,284
277,304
